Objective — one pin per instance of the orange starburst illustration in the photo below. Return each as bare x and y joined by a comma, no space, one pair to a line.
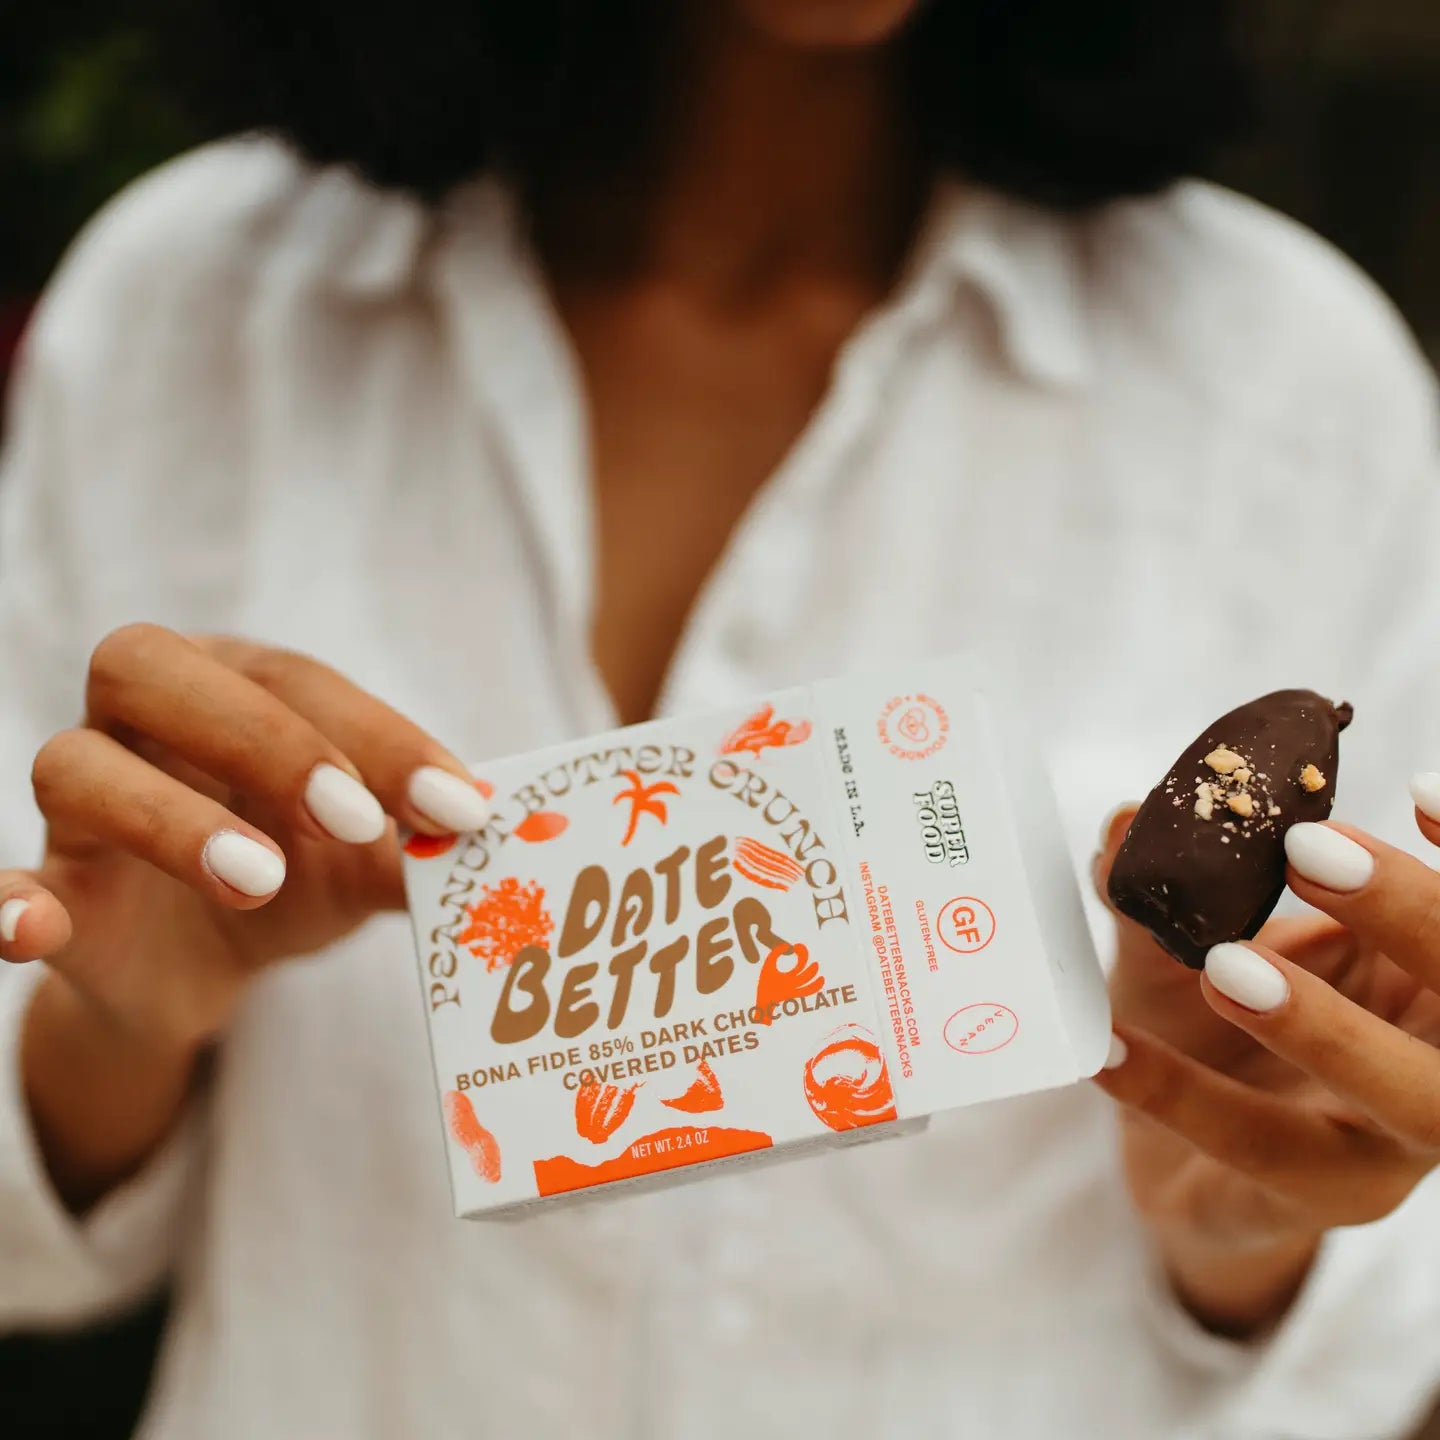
504,920
643,801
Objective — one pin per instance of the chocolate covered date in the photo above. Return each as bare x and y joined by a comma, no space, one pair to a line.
1204,860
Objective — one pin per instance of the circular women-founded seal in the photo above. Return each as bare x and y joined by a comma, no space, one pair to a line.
912,727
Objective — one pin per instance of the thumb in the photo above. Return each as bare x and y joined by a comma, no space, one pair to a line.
1133,943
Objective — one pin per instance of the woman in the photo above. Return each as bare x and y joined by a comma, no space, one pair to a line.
665,354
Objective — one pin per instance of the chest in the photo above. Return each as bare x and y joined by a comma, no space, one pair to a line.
691,409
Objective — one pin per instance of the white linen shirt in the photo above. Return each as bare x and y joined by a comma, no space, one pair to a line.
1163,458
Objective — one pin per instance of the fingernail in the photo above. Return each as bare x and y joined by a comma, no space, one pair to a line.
446,799
1425,792
1118,1054
10,913
343,806
243,864
1326,857
1247,978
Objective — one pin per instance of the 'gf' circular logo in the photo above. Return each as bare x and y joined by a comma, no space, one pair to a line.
966,924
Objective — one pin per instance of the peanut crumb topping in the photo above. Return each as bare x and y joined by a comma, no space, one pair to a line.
1311,779
1224,762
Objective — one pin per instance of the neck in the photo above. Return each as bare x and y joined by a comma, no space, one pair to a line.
777,163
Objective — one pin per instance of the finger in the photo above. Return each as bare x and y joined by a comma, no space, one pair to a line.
1389,1075
1387,897
1133,942
1113,829
1284,1146
417,779
146,681
33,923
89,782
1425,792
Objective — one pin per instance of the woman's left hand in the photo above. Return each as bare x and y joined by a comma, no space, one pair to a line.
1296,1087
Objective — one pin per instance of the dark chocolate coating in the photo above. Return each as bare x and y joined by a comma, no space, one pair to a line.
1194,882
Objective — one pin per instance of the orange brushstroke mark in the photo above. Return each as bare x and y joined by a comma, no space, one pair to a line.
642,801
664,1150
600,1110
542,825
762,731
504,920
759,863
472,1137
775,985
846,1081
704,1094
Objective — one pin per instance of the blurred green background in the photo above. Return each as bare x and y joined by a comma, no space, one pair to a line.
1349,143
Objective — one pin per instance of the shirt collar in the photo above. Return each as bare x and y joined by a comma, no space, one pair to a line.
1026,263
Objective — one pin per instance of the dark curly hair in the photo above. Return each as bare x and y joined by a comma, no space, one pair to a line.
1065,103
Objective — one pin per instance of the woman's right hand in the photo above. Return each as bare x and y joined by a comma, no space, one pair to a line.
222,808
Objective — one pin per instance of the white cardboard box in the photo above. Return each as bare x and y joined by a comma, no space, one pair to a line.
813,917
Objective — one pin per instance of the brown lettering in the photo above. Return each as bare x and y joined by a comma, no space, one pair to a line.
576,1012
752,787
634,908
714,964
813,870
753,930
663,963
712,873
592,891
526,976
669,870
529,797
622,967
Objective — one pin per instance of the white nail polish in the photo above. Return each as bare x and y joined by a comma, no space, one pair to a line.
243,864
1425,792
447,799
1247,978
1326,857
1118,1054
10,913
343,806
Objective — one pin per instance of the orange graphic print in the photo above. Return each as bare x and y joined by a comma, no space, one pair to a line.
776,985
663,1150
542,825
762,731
485,788
471,1136
772,868
506,919
704,1094
643,802
846,1081
600,1110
